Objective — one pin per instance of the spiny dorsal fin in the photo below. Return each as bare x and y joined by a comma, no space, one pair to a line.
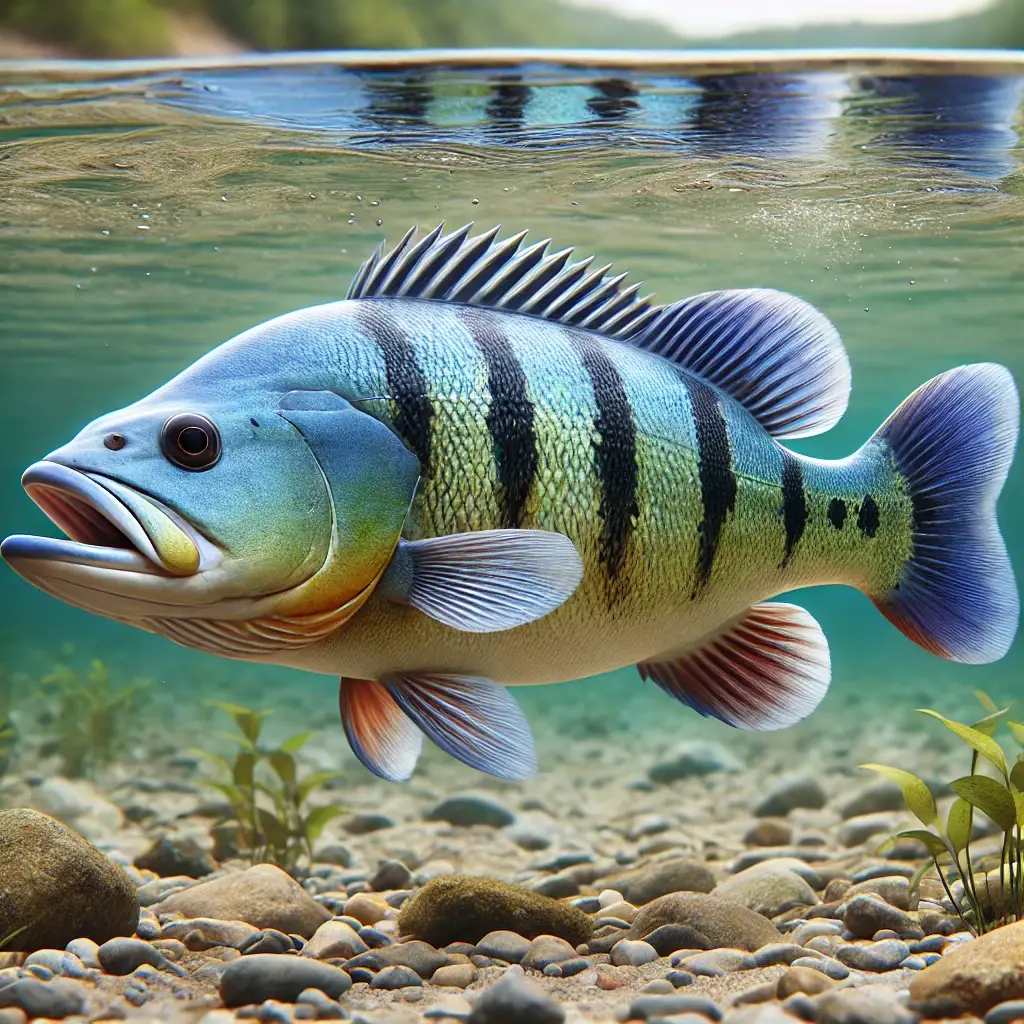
480,271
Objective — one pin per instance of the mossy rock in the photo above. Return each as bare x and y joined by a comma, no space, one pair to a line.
55,886
464,908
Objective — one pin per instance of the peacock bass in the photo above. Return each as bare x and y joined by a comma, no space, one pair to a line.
494,465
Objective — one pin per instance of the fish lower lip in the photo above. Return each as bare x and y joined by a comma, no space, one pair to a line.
111,527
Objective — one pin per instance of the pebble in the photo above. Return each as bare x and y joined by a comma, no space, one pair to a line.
178,855
713,922
363,824
397,976
324,1007
503,945
680,979
651,1007
86,950
268,941
812,929
767,889
455,975
420,956
55,999
58,961
122,956
659,878
716,962
334,940
834,969
1006,1013
867,914
632,953
874,796
790,793
694,757
468,809
861,828
778,953
894,889
336,854
546,949
869,1004
366,909
264,896
514,1000
875,957
391,874
252,979
769,832
204,933
802,979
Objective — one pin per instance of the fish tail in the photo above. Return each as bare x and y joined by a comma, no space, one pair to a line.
950,445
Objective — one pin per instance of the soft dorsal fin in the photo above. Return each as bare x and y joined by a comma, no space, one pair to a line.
480,271
775,354
772,352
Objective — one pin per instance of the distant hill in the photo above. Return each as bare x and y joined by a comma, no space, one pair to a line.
1000,26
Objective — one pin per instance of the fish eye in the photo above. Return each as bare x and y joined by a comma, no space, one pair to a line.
114,442
190,441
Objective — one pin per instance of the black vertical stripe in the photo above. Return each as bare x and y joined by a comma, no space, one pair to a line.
867,518
509,418
717,480
794,504
407,384
614,451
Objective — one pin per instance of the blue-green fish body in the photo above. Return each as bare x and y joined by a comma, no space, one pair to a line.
490,466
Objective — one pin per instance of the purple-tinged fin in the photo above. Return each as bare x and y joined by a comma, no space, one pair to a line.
775,354
764,670
486,581
379,733
475,720
953,441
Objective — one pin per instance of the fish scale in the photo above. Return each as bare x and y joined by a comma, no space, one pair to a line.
489,466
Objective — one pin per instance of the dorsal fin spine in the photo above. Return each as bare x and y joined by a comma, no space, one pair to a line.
422,277
514,271
474,248
401,270
549,268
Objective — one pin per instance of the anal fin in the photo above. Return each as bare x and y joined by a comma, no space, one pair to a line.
379,733
764,670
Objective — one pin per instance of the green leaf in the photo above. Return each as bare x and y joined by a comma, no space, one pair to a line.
915,791
274,829
315,781
985,700
1018,731
234,795
984,745
220,762
284,765
990,797
318,818
295,743
1017,773
989,723
958,826
244,770
936,847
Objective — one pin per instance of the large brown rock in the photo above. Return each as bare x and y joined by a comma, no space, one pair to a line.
57,886
975,977
712,923
263,896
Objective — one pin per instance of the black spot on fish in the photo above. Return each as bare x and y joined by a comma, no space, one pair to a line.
717,481
794,504
507,105
837,512
407,385
252,420
867,518
614,451
509,418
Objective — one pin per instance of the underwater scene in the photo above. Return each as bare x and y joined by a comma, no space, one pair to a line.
499,466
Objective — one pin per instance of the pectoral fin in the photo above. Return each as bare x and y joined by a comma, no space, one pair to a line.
765,670
486,581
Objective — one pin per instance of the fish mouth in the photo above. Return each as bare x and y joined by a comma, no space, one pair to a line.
117,539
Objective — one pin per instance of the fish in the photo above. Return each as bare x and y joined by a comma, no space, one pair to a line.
493,464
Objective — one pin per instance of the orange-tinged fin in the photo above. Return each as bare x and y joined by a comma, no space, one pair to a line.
380,734
765,670
475,720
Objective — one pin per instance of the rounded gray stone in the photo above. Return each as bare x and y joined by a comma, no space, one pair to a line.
252,979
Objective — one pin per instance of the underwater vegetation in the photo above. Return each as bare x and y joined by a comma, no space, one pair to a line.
267,794
92,715
984,897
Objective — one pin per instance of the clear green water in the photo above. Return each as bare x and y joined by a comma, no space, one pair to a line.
145,218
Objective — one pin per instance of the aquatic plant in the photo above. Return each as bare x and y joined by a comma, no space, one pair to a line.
983,899
92,715
267,795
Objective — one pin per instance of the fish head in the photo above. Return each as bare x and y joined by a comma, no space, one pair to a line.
238,519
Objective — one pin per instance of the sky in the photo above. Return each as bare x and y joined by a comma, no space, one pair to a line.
695,18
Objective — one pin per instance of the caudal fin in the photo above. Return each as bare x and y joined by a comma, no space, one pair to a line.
953,441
